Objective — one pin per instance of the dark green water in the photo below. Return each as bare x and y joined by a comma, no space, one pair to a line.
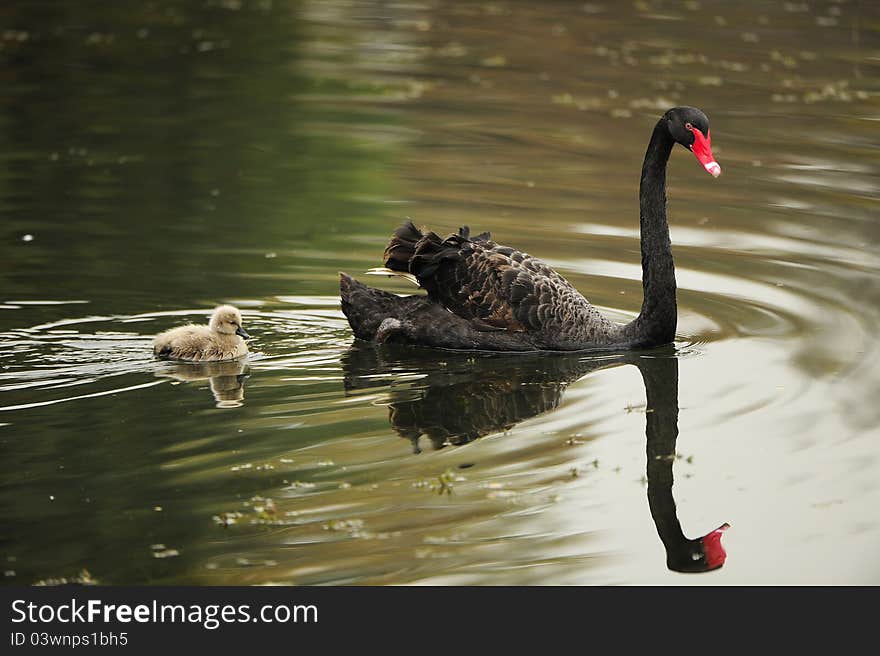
161,158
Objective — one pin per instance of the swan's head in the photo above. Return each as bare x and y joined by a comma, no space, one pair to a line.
701,555
690,127
226,320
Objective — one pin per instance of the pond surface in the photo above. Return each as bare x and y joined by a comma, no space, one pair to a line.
158,160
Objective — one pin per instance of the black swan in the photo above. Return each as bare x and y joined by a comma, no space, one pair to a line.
482,296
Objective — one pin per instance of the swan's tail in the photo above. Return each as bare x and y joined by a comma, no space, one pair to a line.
373,314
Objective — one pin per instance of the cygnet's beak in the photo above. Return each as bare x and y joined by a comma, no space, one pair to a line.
242,332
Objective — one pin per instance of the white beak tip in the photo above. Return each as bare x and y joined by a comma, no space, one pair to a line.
714,168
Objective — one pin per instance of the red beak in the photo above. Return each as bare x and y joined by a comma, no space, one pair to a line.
715,553
702,150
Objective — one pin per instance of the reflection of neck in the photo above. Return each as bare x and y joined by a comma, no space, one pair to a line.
661,429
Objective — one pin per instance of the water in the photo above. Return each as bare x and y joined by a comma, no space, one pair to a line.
159,160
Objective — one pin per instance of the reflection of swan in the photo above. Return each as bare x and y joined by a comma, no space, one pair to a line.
226,378
660,376
467,398
222,339
490,297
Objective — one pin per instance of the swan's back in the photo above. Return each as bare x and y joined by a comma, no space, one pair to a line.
499,288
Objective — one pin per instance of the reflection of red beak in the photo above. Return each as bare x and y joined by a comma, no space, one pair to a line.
715,553
702,149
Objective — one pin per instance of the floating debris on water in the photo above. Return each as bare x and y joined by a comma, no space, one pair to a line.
580,103
83,578
265,511
227,518
299,485
443,484
495,61
343,525
502,494
161,551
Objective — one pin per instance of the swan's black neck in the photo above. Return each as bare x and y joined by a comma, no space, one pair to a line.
656,323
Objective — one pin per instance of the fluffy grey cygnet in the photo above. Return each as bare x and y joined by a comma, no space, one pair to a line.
222,339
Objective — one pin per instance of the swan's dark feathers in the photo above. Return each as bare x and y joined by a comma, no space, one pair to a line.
366,308
496,287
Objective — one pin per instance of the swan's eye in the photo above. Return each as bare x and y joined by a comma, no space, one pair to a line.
688,126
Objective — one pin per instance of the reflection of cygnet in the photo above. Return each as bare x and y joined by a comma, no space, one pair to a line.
222,339
226,379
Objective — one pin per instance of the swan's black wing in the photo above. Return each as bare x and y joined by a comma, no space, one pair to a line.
495,287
